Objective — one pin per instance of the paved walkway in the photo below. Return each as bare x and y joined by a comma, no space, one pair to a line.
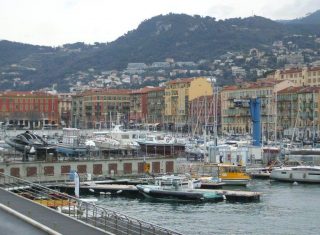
48,217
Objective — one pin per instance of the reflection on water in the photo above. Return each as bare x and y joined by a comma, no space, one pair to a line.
283,209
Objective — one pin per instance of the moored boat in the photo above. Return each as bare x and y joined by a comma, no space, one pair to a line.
30,143
105,142
161,144
233,174
304,174
228,174
173,189
71,144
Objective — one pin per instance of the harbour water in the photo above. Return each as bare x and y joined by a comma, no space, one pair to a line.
284,208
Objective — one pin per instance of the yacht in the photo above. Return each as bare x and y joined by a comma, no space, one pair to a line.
105,141
71,143
29,143
161,144
126,140
305,174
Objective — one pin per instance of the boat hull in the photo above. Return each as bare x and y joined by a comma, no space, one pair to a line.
71,150
170,195
239,182
296,176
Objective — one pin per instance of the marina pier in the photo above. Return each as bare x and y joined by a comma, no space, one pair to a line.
59,170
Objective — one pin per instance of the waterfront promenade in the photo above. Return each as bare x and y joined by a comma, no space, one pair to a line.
49,218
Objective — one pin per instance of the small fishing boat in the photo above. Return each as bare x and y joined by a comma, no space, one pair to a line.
228,174
233,174
172,188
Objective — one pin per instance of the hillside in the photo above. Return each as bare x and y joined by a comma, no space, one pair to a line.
312,19
178,36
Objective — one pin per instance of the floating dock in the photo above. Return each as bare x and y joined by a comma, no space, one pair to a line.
102,189
240,196
132,191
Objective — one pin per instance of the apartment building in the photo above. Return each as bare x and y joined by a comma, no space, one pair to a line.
155,105
64,107
204,114
29,109
178,94
307,76
100,107
235,112
298,112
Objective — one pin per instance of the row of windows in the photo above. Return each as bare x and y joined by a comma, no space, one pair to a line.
27,108
90,98
31,100
314,80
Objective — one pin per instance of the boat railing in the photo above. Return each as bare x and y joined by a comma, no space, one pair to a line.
95,215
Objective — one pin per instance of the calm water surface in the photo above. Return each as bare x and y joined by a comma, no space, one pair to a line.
283,209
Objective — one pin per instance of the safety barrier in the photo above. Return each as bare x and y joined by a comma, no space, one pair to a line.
100,217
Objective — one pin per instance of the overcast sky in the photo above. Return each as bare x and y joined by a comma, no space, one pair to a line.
56,22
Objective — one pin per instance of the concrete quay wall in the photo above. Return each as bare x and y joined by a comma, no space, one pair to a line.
58,171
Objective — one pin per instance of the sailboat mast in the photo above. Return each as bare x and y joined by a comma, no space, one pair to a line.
313,124
275,117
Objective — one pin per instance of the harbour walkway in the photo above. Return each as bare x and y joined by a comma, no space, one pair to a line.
45,216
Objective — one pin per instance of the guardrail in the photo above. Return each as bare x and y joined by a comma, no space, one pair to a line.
100,217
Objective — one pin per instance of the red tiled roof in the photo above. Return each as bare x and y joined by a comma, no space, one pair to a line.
146,90
300,90
26,93
252,85
105,92
314,69
292,70
183,80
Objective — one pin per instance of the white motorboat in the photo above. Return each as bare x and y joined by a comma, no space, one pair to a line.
161,144
305,174
126,139
105,141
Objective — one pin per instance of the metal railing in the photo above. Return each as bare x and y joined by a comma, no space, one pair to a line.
100,217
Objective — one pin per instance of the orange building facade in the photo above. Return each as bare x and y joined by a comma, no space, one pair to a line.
29,109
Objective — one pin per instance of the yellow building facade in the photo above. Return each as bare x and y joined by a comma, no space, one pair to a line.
307,76
178,94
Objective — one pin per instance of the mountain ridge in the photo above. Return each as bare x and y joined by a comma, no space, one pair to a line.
179,36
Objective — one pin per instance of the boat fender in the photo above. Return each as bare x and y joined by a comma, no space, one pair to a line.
304,175
167,140
146,190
